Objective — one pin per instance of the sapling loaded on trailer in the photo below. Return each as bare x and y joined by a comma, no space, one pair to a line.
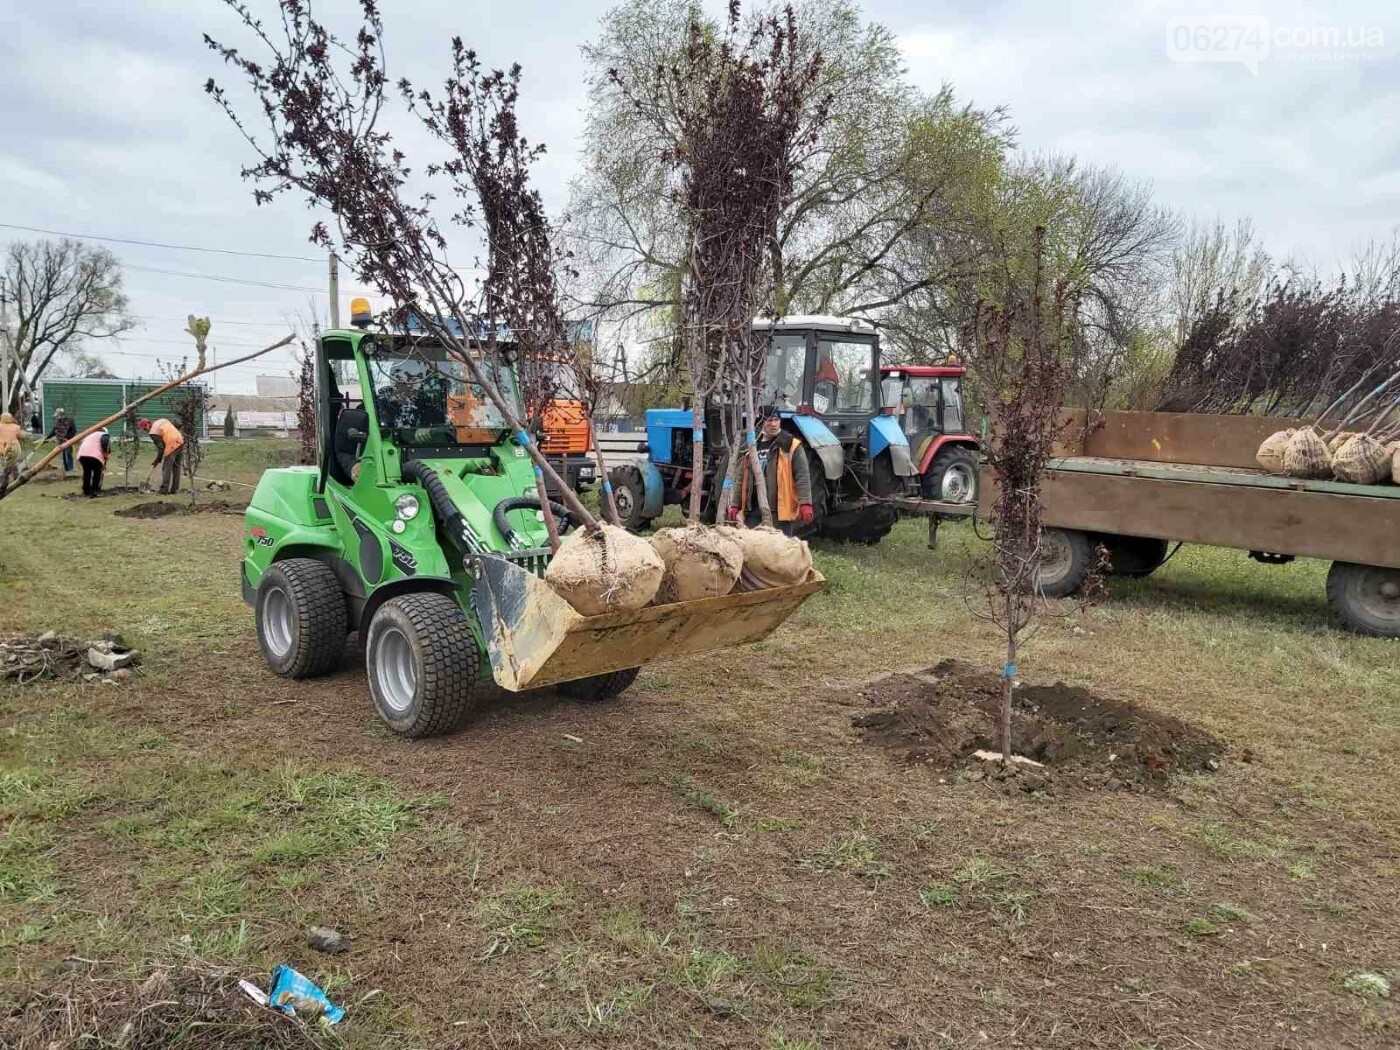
421,529
1135,482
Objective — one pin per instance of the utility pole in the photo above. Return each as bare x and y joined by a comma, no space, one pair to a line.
335,290
5,349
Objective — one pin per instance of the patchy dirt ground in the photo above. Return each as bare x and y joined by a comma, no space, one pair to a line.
107,490
162,509
941,716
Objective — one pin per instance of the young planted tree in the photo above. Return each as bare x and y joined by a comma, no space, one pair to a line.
306,408
323,101
1018,352
190,412
130,443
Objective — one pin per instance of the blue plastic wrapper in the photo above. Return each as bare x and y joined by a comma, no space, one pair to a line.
295,995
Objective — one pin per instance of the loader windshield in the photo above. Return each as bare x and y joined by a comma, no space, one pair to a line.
425,397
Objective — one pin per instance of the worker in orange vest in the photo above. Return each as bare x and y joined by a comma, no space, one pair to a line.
10,435
785,474
168,440
93,451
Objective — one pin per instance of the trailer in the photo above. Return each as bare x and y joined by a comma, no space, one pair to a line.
1138,482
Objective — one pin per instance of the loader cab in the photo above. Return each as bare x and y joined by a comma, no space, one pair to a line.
402,395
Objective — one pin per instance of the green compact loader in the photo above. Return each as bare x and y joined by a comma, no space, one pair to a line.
420,529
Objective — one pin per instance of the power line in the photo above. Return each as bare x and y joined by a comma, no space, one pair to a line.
158,244
226,280
215,320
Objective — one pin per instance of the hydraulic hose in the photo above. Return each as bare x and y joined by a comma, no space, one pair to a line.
503,508
444,510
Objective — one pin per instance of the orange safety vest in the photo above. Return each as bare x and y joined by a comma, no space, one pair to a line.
786,510
91,447
169,435
10,434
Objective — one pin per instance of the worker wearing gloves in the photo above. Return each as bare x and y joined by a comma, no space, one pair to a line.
93,451
168,440
63,429
785,474
10,435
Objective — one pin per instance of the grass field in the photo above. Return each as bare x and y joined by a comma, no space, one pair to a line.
715,859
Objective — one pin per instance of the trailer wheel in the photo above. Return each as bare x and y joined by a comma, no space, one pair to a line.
301,619
952,476
600,686
421,659
629,495
1135,556
1066,559
1366,598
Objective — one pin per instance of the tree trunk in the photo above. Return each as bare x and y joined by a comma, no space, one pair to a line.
760,480
727,491
1009,678
551,524
605,498
697,455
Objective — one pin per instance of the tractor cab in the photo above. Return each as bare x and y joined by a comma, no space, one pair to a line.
822,375
929,404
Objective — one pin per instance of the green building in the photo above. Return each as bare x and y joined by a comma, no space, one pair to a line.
89,401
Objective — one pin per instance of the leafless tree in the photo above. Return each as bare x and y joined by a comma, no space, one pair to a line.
58,293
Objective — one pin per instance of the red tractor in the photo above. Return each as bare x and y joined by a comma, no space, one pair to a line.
930,408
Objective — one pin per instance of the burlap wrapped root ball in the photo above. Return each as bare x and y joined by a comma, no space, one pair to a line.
1362,461
1394,449
701,562
1336,441
1305,455
605,571
771,559
1270,454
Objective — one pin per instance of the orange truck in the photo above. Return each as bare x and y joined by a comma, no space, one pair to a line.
567,440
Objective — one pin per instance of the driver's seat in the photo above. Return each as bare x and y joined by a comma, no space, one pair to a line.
351,428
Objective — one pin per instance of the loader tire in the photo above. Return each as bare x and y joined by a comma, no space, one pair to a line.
421,660
301,618
600,686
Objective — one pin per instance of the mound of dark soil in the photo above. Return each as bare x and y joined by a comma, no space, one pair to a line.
939,717
110,490
161,509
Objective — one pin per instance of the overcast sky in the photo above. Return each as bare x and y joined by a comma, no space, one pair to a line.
106,130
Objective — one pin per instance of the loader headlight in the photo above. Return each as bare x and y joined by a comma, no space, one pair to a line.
406,506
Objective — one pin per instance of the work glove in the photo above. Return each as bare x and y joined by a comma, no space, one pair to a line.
732,514
804,513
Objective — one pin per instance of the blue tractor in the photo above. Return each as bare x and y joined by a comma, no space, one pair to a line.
823,377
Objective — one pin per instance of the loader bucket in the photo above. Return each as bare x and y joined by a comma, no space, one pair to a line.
535,638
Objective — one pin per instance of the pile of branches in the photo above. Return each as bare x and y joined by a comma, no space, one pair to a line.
195,1006
1292,353
51,656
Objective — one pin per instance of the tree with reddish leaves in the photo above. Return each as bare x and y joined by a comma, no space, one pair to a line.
1019,353
741,106
322,100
